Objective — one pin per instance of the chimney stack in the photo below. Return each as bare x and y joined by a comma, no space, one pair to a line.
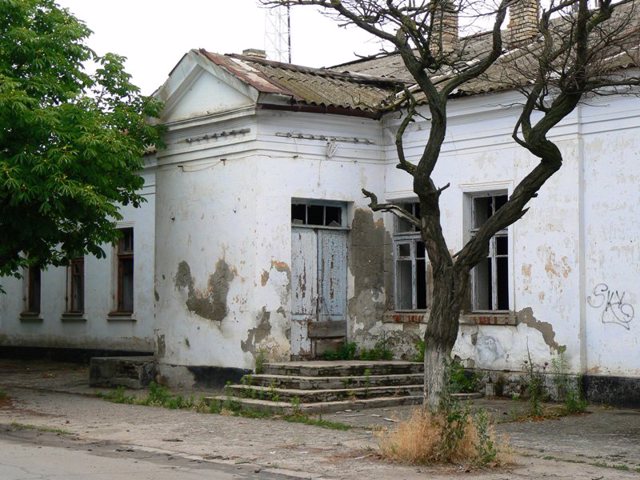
446,27
255,52
523,25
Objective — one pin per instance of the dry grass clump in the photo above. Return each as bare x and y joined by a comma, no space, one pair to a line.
452,436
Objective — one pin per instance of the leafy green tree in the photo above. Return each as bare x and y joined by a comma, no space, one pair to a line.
71,142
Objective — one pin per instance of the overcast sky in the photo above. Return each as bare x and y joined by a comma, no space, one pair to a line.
154,34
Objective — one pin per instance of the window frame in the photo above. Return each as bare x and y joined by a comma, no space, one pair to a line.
73,306
343,206
412,237
124,256
33,297
492,254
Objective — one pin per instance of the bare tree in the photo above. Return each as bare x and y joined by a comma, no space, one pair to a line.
572,51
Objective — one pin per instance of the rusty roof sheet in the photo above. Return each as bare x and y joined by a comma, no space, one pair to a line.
310,86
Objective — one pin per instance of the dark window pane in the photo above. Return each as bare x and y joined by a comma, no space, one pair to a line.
126,285
500,200
420,251
126,241
77,286
333,216
502,245
404,285
298,213
502,283
315,215
404,250
482,210
482,276
33,300
421,285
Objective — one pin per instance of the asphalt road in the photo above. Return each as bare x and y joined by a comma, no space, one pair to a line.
29,455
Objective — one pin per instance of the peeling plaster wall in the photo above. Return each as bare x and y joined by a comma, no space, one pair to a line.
229,200
95,330
571,283
612,236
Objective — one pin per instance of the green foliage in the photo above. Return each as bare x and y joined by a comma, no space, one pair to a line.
71,143
261,359
350,351
346,351
570,393
380,351
461,381
534,381
419,356
3,394
117,395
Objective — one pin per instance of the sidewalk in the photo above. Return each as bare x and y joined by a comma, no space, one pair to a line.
604,444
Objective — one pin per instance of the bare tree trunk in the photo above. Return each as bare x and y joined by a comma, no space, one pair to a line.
449,292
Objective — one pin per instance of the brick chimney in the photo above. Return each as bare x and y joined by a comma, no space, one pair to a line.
254,52
523,25
448,26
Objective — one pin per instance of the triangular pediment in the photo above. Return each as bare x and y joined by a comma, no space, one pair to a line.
197,88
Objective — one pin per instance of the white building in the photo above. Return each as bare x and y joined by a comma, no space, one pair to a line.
257,240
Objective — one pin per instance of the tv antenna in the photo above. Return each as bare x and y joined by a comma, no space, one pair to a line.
278,33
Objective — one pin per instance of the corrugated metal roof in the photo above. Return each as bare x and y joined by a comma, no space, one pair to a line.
310,86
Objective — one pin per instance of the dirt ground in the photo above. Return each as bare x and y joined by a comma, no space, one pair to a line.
51,404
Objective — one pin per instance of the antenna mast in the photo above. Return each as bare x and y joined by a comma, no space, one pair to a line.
278,33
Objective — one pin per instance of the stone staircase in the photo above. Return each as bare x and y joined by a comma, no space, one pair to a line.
323,386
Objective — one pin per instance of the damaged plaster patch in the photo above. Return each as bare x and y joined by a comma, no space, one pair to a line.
367,265
257,334
212,302
526,317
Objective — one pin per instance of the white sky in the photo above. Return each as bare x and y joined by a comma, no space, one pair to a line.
154,34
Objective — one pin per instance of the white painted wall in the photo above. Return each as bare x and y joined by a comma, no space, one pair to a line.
98,330
230,199
555,260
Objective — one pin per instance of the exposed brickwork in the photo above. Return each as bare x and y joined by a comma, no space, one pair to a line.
523,26
446,25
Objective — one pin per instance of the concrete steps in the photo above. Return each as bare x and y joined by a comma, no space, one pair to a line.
322,386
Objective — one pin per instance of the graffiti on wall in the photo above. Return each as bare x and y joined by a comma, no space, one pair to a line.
614,308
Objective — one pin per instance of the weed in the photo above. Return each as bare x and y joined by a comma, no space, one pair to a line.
295,405
534,381
461,381
159,396
346,351
449,436
3,394
39,428
570,393
419,356
117,395
261,360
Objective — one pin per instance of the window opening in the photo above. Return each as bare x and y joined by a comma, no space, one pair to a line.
75,286
491,276
125,271
34,287
317,214
410,262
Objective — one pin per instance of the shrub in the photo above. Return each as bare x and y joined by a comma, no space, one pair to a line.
452,435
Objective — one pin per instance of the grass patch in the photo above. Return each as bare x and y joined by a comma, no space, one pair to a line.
159,396
39,428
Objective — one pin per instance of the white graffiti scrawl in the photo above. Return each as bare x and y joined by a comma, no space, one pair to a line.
614,308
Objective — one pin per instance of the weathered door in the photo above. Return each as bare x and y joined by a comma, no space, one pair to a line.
319,287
